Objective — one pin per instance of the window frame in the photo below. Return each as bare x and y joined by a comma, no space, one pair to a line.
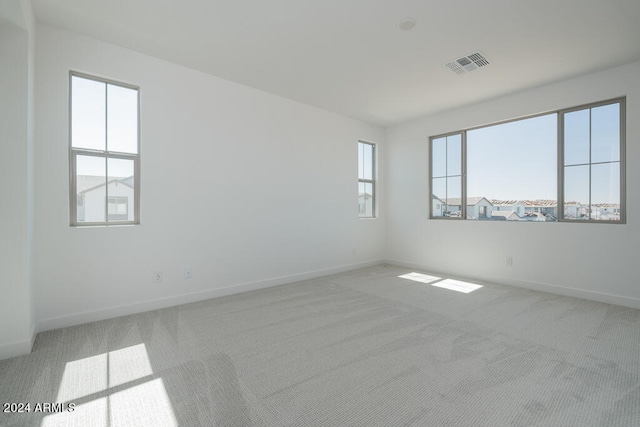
623,157
372,181
106,154
463,178
559,160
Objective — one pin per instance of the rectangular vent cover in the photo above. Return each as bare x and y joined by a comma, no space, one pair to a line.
468,63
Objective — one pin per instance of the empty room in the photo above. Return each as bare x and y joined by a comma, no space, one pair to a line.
319,213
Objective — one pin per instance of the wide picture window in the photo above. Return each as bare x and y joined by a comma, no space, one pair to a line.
528,170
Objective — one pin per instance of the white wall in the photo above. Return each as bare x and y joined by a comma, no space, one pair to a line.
246,188
602,261
16,141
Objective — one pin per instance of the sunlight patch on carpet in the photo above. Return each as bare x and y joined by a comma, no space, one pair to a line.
457,285
419,277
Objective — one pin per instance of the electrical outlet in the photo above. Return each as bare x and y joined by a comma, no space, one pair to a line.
509,261
188,273
157,277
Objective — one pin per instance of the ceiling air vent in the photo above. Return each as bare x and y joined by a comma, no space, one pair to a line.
468,63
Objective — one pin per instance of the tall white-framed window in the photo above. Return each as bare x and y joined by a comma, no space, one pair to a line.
446,176
366,179
592,168
104,151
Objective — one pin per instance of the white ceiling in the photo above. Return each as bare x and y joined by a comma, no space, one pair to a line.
350,57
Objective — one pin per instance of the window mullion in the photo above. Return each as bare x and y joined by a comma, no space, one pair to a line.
463,173
106,153
590,164
623,162
106,188
74,188
560,165
446,172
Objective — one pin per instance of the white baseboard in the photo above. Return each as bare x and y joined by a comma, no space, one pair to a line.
18,348
536,286
123,310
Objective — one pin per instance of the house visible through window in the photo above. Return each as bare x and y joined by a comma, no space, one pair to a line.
366,180
446,173
118,208
562,166
592,163
80,204
513,163
105,154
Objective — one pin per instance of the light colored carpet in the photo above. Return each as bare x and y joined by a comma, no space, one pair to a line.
365,348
